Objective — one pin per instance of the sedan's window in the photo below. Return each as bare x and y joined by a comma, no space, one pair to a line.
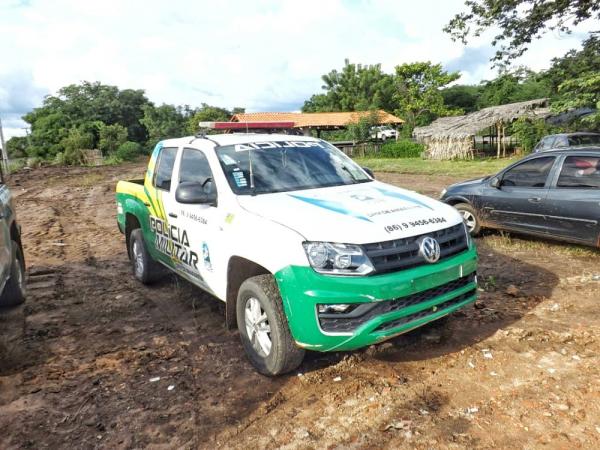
530,174
580,172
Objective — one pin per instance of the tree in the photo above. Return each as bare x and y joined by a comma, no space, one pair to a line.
84,105
16,147
207,113
520,21
354,88
165,121
574,63
111,137
361,130
518,85
460,96
418,93
74,143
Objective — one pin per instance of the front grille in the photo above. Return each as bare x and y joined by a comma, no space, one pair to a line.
421,314
336,323
400,254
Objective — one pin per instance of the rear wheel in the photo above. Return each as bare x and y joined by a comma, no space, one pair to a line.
264,328
470,217
145,269
15,288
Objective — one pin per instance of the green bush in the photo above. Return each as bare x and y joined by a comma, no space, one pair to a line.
401,149
529,132
128,151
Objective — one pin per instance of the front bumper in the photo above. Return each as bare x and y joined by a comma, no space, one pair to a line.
405,300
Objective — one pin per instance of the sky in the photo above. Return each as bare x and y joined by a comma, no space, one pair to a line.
263,55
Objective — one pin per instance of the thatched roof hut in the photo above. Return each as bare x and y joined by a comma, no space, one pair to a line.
453,137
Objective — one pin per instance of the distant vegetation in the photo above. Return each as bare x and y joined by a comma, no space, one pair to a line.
120,123
123,123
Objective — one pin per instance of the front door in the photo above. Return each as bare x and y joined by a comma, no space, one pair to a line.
574,202
519,201
194,225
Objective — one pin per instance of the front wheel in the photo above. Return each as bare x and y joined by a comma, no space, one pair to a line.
15,289
145,269
470,217
264,328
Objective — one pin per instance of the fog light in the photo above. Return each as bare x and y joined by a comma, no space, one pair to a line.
333,309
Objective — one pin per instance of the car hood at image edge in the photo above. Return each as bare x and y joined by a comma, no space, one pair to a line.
354,214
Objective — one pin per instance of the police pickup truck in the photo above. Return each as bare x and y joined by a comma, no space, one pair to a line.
306,249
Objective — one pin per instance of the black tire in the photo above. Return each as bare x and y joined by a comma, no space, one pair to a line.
283,355
144,268
15,288
470,216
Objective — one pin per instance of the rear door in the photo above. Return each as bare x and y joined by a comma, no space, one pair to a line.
519,202
573,201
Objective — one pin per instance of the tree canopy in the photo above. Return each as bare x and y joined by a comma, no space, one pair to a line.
95,115
519,21
356,87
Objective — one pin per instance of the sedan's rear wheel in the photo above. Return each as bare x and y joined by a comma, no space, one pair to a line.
470,217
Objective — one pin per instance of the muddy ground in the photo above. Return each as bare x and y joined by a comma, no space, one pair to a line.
95,359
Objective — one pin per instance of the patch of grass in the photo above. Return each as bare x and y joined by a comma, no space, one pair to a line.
91,179
459,168
512,243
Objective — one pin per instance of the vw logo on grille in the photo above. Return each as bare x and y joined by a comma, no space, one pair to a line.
429,249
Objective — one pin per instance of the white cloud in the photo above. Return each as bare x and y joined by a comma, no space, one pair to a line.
260,54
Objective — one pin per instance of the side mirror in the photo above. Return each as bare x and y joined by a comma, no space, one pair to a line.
192,192
369,172
495,182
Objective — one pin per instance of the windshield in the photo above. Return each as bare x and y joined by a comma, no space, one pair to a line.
281,166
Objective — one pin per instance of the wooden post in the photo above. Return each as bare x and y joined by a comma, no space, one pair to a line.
498,140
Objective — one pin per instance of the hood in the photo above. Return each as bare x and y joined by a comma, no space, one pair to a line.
355,214
472,182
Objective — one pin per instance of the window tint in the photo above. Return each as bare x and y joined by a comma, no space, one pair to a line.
164,168
532,173
194,166
582,172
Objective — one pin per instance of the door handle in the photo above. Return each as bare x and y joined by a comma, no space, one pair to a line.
147,204
173,215
534,199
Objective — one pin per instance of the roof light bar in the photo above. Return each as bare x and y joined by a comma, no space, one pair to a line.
245,125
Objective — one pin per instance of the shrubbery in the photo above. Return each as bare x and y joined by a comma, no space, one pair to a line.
401,149
128,151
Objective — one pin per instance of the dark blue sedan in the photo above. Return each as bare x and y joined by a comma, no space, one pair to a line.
554,194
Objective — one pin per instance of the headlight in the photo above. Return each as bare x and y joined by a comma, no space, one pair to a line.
337,259
443,193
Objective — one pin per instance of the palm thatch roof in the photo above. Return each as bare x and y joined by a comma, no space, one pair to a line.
470,124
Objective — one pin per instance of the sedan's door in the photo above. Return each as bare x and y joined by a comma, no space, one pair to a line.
573,202
518,202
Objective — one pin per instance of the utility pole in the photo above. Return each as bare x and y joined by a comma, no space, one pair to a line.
4,153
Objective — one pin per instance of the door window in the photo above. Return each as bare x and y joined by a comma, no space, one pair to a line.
530,174
164,168
194,167
581,172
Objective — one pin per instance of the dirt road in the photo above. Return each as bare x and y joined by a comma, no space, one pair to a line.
101,361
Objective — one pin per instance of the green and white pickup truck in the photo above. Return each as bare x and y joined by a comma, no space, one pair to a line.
306,249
